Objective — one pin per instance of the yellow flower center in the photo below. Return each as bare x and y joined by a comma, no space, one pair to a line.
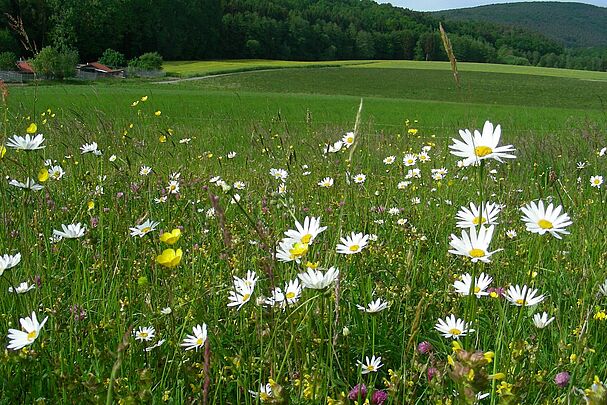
544,224
455,332
146,229
290,295
479,220
354,248
246,297
298,250
482,151
306,238
143,334
370,367
263,396
199,341
520,301
32,335
477,290
349,139
476,253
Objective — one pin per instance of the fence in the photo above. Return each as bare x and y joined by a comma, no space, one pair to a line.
9,76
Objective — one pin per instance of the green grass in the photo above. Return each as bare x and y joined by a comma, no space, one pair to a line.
204,68
96,288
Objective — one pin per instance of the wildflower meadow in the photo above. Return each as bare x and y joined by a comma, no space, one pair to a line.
141,262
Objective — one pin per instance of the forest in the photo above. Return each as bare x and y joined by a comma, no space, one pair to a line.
272,29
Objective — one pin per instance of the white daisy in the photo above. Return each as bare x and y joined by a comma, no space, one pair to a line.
423,157
173,187
409,159
9,261
353,243
389,160
370,365
464,284
88,148
486,215
596,181
541,320
374,306
316,280
143,229
279,174
20,339
307,232
289,250
145,170
336,147
452,327
360,178
56,172
197,340
30,184
541,220
71,231
144,333
473,245
477,147
348,139
231,155
511,233
327,182
523,296
26,142
22,288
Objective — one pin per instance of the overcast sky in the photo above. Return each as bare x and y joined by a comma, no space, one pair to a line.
434,5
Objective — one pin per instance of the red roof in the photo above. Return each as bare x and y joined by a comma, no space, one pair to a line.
99,66
24,67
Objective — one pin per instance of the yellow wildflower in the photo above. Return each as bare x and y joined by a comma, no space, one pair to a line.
171,237
169,258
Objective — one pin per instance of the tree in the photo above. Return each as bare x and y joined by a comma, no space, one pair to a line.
113,59
55,64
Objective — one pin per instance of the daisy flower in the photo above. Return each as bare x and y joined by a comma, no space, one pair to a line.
144,333
453,328
22,288
423,157
374,306
26,142
56,172
239,185
197,340
88,148
173,187
9,261
348,139
541,320
389,160
145,170
602,288
511,233
353,243
71,231
413,173
289,250
596,181
231,155
279,174
30,184
327,182
360,178
523,297
473,245
541,220
486,214
144,228
336,147
19,339
409,159
370,365
477,147
481,283
264,394
307,232
317,280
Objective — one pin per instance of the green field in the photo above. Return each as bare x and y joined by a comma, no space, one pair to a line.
100,288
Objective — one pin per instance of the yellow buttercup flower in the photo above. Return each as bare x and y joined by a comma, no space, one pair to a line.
32,128
157,113
90,205
162,138
2,151
43,175
171,237
169,258
144,98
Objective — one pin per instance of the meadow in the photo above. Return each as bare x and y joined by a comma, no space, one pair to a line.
188,197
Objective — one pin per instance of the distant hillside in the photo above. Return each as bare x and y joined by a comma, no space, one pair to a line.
573,24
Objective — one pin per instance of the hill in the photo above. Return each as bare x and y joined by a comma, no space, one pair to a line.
572,24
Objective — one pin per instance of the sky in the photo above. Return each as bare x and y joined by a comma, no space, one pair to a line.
434,5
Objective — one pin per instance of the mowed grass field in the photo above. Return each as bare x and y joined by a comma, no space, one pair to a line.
201,156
